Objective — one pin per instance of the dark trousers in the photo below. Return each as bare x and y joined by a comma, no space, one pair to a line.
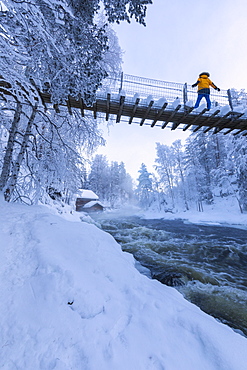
199,98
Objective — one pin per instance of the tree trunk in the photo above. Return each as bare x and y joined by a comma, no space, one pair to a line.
16,168
10,147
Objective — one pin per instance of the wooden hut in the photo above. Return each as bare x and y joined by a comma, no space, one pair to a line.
87,201
93,206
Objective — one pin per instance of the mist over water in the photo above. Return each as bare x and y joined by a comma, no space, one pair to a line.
207,264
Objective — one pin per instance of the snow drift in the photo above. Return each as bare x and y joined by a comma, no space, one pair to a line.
71,299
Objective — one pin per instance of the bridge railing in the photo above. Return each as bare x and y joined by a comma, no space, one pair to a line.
145,87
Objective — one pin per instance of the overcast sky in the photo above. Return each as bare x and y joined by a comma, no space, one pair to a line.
180,40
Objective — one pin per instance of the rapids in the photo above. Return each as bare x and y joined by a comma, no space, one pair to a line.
207,264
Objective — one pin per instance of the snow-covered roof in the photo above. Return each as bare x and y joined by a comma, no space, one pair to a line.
92,203
87,194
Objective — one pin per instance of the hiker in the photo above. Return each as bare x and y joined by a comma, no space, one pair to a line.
204,84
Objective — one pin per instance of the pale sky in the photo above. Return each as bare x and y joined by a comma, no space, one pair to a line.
181,39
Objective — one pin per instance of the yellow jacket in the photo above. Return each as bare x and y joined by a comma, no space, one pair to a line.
204,82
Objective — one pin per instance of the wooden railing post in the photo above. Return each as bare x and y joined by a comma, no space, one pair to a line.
121,83
185,93
230,98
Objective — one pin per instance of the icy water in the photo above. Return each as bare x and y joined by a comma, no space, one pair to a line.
207,264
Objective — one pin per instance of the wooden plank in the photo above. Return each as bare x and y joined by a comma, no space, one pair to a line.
121,104
171,116
228,131
39,93
195,119
159,114
235,127
206,120
134,110
81,103
147,111
56,107
6,92
69,105
46,97
238,132
108,98
222,126
95,110
4,83
218,122
187,112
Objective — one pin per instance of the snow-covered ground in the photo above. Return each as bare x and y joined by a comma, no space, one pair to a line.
71,299
223,212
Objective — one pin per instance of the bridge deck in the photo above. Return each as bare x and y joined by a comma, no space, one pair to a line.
160,116
158,103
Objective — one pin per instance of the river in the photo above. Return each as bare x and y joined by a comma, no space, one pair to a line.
207,264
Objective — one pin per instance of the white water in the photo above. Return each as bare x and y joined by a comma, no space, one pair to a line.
207,264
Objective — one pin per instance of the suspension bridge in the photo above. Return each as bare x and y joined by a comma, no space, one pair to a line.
161,104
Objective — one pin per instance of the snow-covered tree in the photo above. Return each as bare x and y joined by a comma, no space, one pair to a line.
110,181
208,167
59,45
238,98
126,184
178,154
114,183
144,188
121,189
165,168
60,48
199,164
238,155
98,179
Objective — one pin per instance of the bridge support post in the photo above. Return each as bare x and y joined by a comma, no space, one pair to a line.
185,93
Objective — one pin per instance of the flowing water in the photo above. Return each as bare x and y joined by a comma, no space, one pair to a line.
207,264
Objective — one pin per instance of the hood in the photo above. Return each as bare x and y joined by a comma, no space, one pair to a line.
204,75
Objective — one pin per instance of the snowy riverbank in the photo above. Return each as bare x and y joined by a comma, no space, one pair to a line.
224,212
71,299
